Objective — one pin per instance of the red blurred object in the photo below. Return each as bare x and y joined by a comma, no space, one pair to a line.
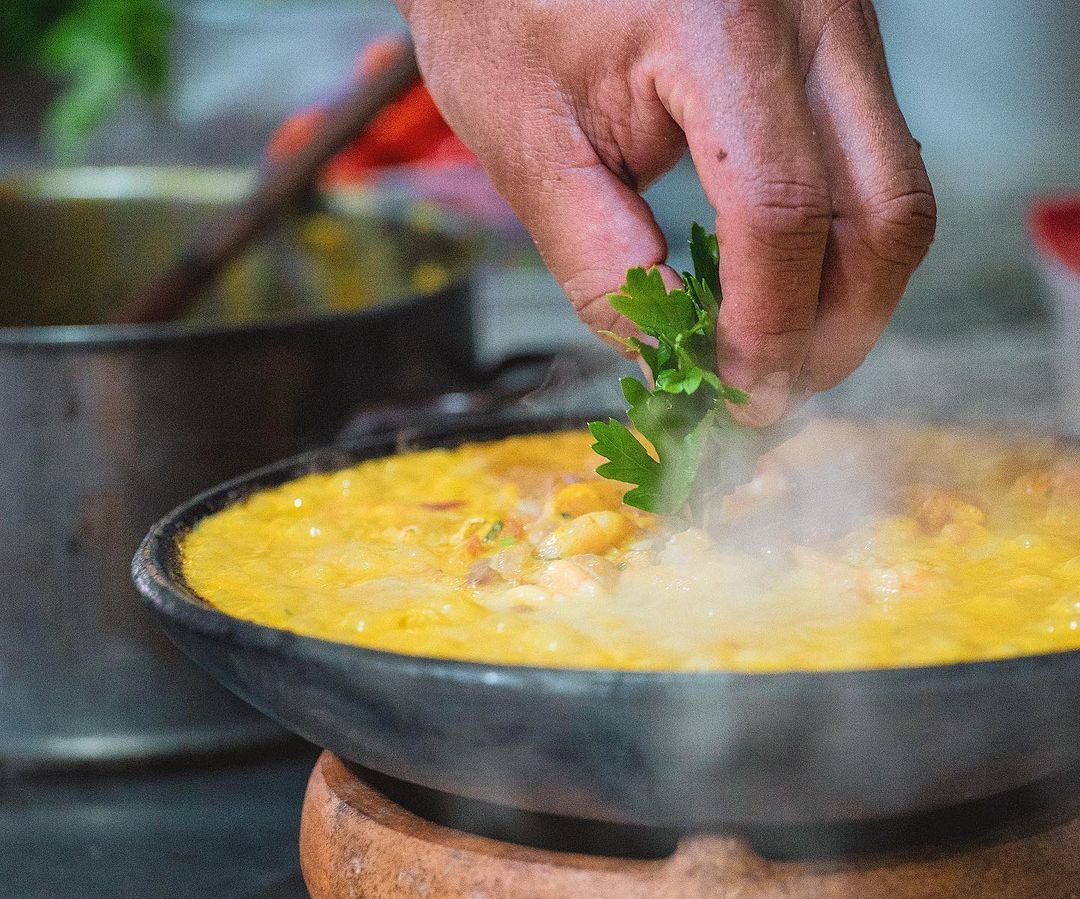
1055,229
1054,224
409,132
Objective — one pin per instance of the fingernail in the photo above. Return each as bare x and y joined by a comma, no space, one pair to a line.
768,400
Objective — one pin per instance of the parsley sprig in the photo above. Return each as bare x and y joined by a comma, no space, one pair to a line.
697,448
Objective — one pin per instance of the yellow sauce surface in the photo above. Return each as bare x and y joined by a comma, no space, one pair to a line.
855,546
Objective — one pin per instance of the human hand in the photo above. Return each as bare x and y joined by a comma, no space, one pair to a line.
823,207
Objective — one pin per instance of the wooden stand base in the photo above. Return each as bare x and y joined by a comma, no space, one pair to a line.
355,842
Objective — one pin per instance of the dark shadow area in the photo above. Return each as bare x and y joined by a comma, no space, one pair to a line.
1018,813
522,828
1015,814
203,829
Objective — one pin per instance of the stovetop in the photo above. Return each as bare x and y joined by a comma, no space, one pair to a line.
219,829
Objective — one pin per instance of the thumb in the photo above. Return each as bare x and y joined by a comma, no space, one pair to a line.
590,227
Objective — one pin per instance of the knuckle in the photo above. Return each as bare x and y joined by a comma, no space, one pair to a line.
790,218
899,224
750,27
846,15
756,14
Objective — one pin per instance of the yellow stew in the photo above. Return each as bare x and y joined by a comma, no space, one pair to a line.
853,547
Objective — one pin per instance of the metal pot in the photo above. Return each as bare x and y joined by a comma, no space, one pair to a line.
104,428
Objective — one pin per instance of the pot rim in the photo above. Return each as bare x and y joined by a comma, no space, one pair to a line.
162,587
212,186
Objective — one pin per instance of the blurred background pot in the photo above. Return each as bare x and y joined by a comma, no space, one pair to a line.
104,428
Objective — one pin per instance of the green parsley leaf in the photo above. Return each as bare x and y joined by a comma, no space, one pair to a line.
629,462
705,255
646,302
683,419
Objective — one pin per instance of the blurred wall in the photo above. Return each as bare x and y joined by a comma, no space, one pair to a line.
238,67
991,89
242,65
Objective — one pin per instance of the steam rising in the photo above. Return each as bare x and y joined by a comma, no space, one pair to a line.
766,560
806,546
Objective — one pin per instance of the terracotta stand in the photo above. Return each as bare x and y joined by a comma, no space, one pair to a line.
354,842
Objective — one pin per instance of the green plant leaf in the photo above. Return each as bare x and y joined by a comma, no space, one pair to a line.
629,462
104,49
646,302
705,255
682,417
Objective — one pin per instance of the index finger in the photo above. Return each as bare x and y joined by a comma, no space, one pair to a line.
751,136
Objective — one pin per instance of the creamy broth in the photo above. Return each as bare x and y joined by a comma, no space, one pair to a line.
854,547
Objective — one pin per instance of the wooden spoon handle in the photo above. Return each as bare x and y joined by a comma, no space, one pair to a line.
282,184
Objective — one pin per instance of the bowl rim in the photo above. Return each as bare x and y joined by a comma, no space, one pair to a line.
157,575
